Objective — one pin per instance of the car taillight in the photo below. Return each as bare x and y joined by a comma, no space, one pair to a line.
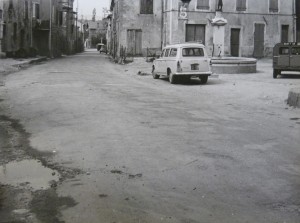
179,69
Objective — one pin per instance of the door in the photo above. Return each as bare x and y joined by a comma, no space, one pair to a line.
259,40
284,57
284,33
134,42
195,33
295,57
235,42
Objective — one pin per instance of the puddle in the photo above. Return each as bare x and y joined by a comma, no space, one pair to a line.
29,173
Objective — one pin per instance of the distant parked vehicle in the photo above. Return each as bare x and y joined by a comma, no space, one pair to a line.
183,61
99,45
103,49
286,57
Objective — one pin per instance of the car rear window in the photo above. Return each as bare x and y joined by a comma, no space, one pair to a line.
284,51
192,52
296,51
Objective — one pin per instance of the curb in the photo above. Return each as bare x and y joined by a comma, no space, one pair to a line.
31,61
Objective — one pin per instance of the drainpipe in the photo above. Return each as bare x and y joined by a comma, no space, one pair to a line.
294,21
162,23
50,31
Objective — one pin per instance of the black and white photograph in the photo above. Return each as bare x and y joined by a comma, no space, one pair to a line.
149,111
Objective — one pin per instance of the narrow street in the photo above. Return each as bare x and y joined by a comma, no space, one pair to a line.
127,148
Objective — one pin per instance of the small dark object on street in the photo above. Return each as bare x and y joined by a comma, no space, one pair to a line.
103,195
116,171
131,176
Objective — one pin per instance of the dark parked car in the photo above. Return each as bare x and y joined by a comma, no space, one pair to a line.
286,57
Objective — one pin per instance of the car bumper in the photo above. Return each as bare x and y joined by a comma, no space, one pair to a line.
193,74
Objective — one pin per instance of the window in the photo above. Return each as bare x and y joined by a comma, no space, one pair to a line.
1,13
273,5
284,51
195,33
162,53
15,31
36,11
203,4
284,33
296,50
192,52
167,53
146,7
173,52
60,18
26,9
241,5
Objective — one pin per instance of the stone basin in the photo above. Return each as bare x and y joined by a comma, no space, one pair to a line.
233,65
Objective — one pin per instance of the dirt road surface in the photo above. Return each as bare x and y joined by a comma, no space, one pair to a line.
113,146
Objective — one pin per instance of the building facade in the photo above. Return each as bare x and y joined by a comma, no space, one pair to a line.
136,26
253,26
43,27
96,33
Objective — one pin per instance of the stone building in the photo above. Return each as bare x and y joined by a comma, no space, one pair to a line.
96,33
136,26
44,27
252,27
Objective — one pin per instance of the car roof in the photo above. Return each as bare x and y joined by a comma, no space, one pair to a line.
288,44
185,45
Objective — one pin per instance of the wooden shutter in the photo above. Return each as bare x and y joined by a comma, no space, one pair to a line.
241,5
203,4
146,6
259,39
273,6
195,33
138,42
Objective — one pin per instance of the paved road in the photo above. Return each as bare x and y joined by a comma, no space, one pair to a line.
150,152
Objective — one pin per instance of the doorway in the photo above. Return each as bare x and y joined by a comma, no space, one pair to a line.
259,40
235,42
134,42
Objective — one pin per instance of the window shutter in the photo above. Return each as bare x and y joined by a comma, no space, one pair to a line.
203,4
241,5
273,6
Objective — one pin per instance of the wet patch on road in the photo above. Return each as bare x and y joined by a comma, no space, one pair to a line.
46,204
29,174
16,144
28,178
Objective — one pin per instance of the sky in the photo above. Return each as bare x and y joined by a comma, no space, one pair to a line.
85,8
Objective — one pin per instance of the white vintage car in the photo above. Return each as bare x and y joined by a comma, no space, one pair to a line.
182,62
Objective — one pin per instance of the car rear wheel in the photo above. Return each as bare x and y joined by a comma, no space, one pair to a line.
154,75
172,78
203,79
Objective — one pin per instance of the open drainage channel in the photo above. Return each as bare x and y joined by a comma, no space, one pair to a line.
28,173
